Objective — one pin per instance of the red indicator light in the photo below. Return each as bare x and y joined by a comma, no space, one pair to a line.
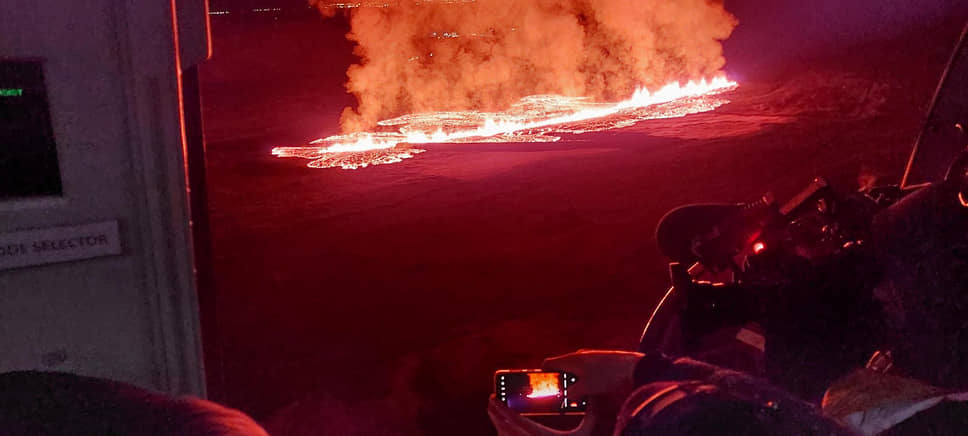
758,247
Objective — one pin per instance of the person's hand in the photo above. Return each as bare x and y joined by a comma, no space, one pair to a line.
510,423
604,379
599,372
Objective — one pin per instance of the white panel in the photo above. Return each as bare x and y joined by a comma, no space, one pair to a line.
112,87
58,244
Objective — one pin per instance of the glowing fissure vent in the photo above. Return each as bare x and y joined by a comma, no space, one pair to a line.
539,118
543,384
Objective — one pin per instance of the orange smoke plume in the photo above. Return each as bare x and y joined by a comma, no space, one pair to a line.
439,55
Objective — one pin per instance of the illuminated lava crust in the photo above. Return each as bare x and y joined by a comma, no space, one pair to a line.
539,118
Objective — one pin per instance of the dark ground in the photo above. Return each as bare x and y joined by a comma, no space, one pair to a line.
379,301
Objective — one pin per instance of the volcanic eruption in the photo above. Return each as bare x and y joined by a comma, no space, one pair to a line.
434,71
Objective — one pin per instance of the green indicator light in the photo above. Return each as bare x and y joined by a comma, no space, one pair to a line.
11,92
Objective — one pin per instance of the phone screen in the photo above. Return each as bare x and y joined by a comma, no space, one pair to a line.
536,392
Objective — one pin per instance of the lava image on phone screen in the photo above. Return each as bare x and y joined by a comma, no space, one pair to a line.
535,392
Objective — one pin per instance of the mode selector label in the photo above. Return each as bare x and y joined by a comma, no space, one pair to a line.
59,244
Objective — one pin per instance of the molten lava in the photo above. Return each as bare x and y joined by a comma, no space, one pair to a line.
540,118
543,384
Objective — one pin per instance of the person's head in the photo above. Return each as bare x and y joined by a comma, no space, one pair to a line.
190,416
53,404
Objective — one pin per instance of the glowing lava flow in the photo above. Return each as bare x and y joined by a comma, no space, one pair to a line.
533,119
543,384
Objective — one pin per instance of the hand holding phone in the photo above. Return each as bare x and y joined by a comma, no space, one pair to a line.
537,392
601,372
566,382
599,380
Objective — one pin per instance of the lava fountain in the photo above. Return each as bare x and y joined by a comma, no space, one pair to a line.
538,118
543,384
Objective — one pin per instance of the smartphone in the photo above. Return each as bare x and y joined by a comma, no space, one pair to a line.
537,392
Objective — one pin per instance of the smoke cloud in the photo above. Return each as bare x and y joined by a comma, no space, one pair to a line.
422,56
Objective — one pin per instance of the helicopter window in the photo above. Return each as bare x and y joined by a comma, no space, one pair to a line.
943,136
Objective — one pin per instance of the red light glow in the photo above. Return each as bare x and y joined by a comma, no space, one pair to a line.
758,247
